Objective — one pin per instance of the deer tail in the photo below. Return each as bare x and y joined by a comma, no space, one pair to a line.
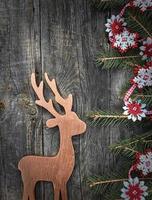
20,165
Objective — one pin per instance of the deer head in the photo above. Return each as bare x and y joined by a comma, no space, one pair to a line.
74,125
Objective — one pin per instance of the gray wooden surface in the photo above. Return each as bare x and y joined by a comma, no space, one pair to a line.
60,37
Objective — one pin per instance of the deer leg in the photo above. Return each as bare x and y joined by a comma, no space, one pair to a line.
64,194
56,192
32,195
25,192
31,191
25,195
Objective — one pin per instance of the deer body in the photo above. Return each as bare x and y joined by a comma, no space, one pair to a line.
56,169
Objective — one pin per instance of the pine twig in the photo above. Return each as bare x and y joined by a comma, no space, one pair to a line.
113,181
113,59
103,59
106,119
107,4
97,116
141,25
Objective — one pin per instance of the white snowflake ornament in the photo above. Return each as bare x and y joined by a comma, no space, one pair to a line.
143,4
144,77
145,163
115,25
125,40
134,190
146,49
135,110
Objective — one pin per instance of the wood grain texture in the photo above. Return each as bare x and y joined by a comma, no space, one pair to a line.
61,37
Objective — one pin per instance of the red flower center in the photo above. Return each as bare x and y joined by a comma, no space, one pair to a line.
124,39
148,164
148,50
116,27
134,108
146,77
134,192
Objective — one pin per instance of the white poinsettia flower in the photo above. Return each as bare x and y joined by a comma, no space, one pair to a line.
145,163
125,40
142,4
134,190
135,110
115,25
146,49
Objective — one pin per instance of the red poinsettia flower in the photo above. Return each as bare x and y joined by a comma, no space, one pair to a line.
115,25
134,190
135,110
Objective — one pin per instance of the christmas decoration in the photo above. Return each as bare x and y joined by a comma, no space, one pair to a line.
115,25
125,40
134,190
144,162
146,49
143,4
135,110
130,36
56,169
119,36
144,77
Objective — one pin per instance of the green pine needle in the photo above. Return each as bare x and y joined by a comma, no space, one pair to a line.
107,4
109,185
113,59
130,146
145,95
140,23
102,118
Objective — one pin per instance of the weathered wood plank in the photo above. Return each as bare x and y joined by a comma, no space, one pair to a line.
62,38
20,123
71,32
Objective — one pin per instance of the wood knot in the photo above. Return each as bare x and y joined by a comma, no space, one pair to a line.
2,105
27,104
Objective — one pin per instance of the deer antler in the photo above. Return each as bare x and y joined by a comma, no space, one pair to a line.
42,102
66,103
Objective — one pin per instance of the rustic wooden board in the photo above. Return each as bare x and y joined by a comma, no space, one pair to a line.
62,38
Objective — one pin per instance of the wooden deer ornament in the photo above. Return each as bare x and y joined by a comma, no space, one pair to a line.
56,169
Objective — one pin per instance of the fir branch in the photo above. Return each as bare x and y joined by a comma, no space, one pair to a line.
141,25
130,146
107,181
115,181
147,99
118,58
145,95
107,4
113,59
137,23
107,188
124,89
102,118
